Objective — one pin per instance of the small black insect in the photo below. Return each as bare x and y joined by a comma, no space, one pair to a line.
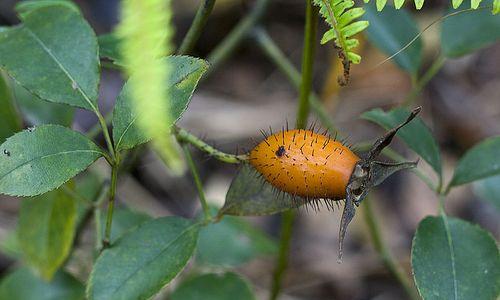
281,151
6,152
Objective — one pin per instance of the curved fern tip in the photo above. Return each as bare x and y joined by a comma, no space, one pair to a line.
341,15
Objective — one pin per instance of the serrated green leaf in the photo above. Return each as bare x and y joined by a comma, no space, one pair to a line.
109,47
489,190
144,260
231,242
467,32
41,159
23,285
479,162
415,134
186,72
389,38
249,195
64,48
124,220
38,112
453,259
11,122
214,287
25,7
45,231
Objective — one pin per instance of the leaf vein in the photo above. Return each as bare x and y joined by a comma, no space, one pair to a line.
46,156
47,50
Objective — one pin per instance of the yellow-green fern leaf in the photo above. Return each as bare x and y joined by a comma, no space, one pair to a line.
146,31
341,16
456,3
474,4
496,7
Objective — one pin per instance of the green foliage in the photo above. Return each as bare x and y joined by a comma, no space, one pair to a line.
390,39
9,245
146,32
340,15
467,32
109,47
181,83
249,195
11,122
65,51
45,231
479,162
232,242
124,220
42,158
38,112
415,134
489,190
453,259
143,260
419,3
226,286
21,284
25,7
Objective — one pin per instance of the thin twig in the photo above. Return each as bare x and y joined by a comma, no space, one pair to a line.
234,38
197,26
382,250
111,205
197,181
185,137
302,116
272,51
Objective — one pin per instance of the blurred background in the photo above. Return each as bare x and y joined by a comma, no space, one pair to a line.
247,92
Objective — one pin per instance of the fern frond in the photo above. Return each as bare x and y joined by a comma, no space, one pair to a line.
474,4
341,16
146,33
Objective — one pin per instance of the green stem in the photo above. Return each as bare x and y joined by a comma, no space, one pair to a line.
424,80
307,65
98,229
197,26
233,39
302,115
185,137
273,52
197,181
286,235
95,130
383,252
107,137
97,214
111,205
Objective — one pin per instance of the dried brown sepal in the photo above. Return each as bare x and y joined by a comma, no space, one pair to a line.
368,173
